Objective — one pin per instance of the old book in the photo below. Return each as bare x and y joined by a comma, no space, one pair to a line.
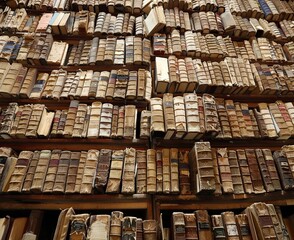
155,20
70,118
166,171
52,170
121,84
130,122
145,124
17,228
35,120
78,226
203,225
139,229
72,172
119,55
184,173
20,170
243,226
5,153
57,53
162,74
174,170
115,174
62,225
129,168
218,227
89,173
223,119
149,229
159,170
288,151
120,122
225,170
236,173
103,169
180,116
151,171
190,226
94,122
212,125
276,221
129,227
169,119
115,230
141,176
269,187
80,171
178,221
39,86
61,173
201,165
105,120
257,182
27,183
9,115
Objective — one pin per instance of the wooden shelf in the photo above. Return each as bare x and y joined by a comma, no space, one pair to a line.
220,143
210,202
77,201
53,104
98,67
71,144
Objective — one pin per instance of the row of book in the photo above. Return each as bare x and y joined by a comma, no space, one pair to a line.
121,84
210,22
103,120
258,221
230,76
106,227
44,50
217,48
194,117
204,169
73,226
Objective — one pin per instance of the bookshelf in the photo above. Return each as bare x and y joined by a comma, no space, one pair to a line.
153,204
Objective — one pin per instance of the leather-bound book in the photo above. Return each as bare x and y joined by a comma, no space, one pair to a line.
62,225
260,221
52,171
116,219
285,232
174,170
243,226
94,122
218,185
61,123
141,176
85,53
19,81
269,122
149,229
115,174
101,50
38,112
224,119
256,178
129,169
129,50
45,49
139,229
87,83
276,221
129,227
41,171
72,172
145,124
109,49
57,53
247,119
16,119
245,171
119,55
212,125
142,84
61,173
130,122
103,169
78,226
80,171
121,84
39,86
225,170
131,91
146,59
70,118
99,227
10,79
27,183
155,20
230,224
162,74
218,227
169,118
255,127
288,151
174,77
120,122
159,43
89,173
47,92
9,115
151,171
203,225
286,115
178,222
159,171
105,120
180,116
166,171
268,184
272,169
192,116
242,123
20,170
201,165
5,152
236,174
190,226
114,124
